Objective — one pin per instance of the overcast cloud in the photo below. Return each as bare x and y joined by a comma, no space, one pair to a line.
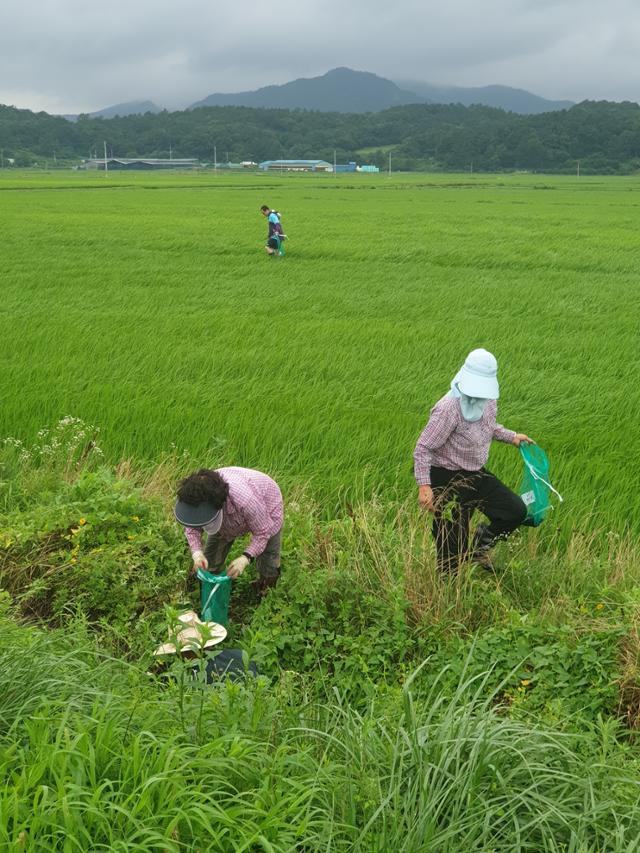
69,56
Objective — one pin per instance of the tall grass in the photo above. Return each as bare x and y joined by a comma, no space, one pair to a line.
95,756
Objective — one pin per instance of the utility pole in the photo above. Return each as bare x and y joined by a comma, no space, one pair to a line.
215,159
578,171
106,168
389,163
1,158
335,171
170,152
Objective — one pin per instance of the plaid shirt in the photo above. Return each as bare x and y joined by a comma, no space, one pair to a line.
448,441
254,505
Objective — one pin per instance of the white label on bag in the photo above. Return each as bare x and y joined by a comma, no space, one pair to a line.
528,498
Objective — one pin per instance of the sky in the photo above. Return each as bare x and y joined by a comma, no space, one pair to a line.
70,56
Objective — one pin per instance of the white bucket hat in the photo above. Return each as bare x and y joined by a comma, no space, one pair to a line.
191,638
478,376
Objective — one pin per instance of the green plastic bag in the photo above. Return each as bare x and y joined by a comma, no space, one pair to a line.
536,487
215,593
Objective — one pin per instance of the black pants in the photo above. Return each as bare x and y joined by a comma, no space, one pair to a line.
456,495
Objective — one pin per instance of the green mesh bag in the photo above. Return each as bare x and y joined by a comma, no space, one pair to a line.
536,488
215,593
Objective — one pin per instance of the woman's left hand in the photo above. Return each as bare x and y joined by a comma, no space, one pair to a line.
520,437
237,566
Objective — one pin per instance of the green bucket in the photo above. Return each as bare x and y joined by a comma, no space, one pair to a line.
215,593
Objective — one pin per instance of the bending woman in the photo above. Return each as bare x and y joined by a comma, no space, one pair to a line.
449,466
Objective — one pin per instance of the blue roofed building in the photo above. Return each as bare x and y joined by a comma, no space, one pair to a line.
346,167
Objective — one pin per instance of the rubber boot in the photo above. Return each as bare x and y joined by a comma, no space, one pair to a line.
262,584
481,546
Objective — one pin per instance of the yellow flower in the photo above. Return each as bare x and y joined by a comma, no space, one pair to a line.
131,536
134,518
600,606
525,682
82,521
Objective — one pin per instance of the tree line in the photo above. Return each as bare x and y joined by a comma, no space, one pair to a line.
600,136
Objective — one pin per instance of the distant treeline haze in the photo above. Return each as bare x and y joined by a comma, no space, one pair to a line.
602,137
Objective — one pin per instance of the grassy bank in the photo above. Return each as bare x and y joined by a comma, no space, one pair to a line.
394,709
95,757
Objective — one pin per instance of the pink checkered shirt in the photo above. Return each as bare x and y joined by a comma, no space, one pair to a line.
254,505
448,441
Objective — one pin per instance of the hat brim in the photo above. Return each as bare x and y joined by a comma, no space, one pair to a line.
198,515
190,639
484,387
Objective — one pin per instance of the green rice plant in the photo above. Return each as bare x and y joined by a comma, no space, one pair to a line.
323,368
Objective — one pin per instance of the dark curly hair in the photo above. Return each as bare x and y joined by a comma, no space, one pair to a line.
203,485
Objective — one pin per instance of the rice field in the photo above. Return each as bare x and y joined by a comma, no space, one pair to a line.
145,304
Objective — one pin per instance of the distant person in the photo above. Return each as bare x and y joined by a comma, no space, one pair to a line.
275,235
449,467
227,503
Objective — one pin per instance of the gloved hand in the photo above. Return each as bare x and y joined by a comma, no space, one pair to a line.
236,567
199,561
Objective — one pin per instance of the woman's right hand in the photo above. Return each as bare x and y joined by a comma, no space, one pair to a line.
425,497
520,438
199,561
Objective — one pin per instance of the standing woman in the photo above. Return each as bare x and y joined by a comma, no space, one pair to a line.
449,466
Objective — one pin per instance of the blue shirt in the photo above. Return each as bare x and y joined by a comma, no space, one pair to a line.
274,224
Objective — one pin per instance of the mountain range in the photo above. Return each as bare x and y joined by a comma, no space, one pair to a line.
347,91
339,90
503,97
130,108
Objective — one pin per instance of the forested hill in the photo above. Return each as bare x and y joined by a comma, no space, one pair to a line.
603,137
